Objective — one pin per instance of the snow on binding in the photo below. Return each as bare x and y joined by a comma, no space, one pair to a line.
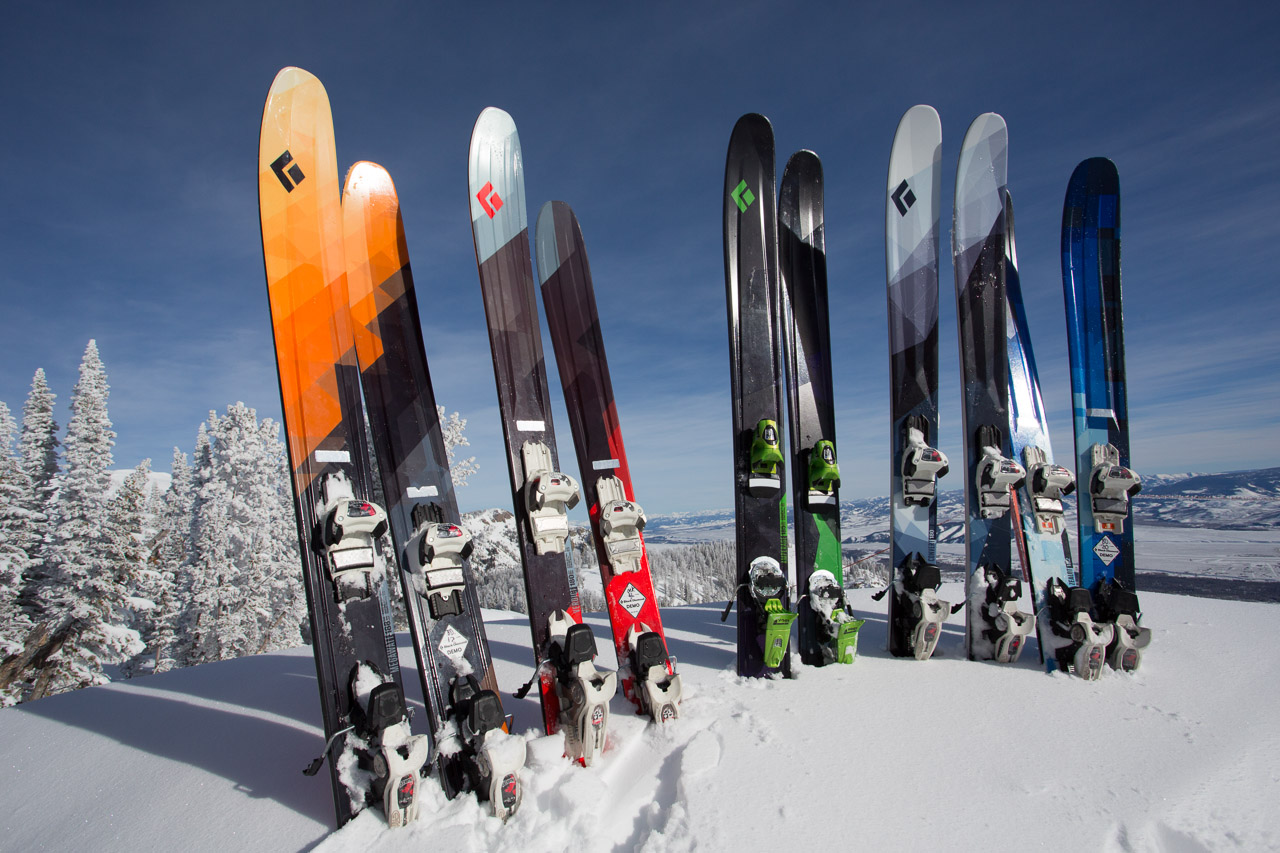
827,631
540,491
1095,344
439,589
911,259
646,669
755,370
995,628
1039,527
348,599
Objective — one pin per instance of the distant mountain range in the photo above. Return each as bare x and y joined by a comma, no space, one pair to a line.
1235,500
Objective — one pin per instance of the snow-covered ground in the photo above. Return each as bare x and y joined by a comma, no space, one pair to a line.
885,754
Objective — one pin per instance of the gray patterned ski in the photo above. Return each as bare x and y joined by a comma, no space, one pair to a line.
994,627
912,202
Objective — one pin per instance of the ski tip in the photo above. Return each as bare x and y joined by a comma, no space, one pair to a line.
553,245
921,114
494,122
291,75
1096,175
983,127
367,178
804,165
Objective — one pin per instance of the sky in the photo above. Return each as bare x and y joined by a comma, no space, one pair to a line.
128,145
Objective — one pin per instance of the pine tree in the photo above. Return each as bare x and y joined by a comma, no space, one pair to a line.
126,551
84,589
38,449
246,592
15,537
170,552
452,426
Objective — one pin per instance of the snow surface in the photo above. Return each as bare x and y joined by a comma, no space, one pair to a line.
890,754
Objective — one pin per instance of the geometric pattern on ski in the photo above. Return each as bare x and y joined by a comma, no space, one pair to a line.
302,247
755,369
912,211
500,229
1095,346
568,296
405,425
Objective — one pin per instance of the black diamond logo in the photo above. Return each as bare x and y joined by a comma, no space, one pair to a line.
903,198
287,171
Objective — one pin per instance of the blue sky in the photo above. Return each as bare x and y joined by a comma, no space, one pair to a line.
130,208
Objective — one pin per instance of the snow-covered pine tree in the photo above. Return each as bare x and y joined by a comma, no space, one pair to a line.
15,537
126,550
169,557
38,449
83,591
452,427
246,596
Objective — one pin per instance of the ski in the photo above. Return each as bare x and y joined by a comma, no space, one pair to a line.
826,630
1067,641
646,669
1095,345
755,370
541,493
348,598
472,753
995,629
912,202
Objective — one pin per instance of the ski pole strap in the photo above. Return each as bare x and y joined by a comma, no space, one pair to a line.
314,767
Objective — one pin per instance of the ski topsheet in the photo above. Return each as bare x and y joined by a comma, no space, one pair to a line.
540,492
459,685
617,520
347,592
826,631
1040,527
995,628
755,369
1095,344
912,203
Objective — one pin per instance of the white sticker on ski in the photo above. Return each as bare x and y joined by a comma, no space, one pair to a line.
632,600
453,645
1106,550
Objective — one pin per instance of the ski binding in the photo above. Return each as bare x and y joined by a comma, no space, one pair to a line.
1007,626
1049,484
767,583
583,690
396,756
482,757
1081,642
766,456
1111,485
621,521
548,495
1119,606
824,474
658,683
922,465
441,550
348,533
924,613
837,628
997,476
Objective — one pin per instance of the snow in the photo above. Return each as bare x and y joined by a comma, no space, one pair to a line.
887,753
